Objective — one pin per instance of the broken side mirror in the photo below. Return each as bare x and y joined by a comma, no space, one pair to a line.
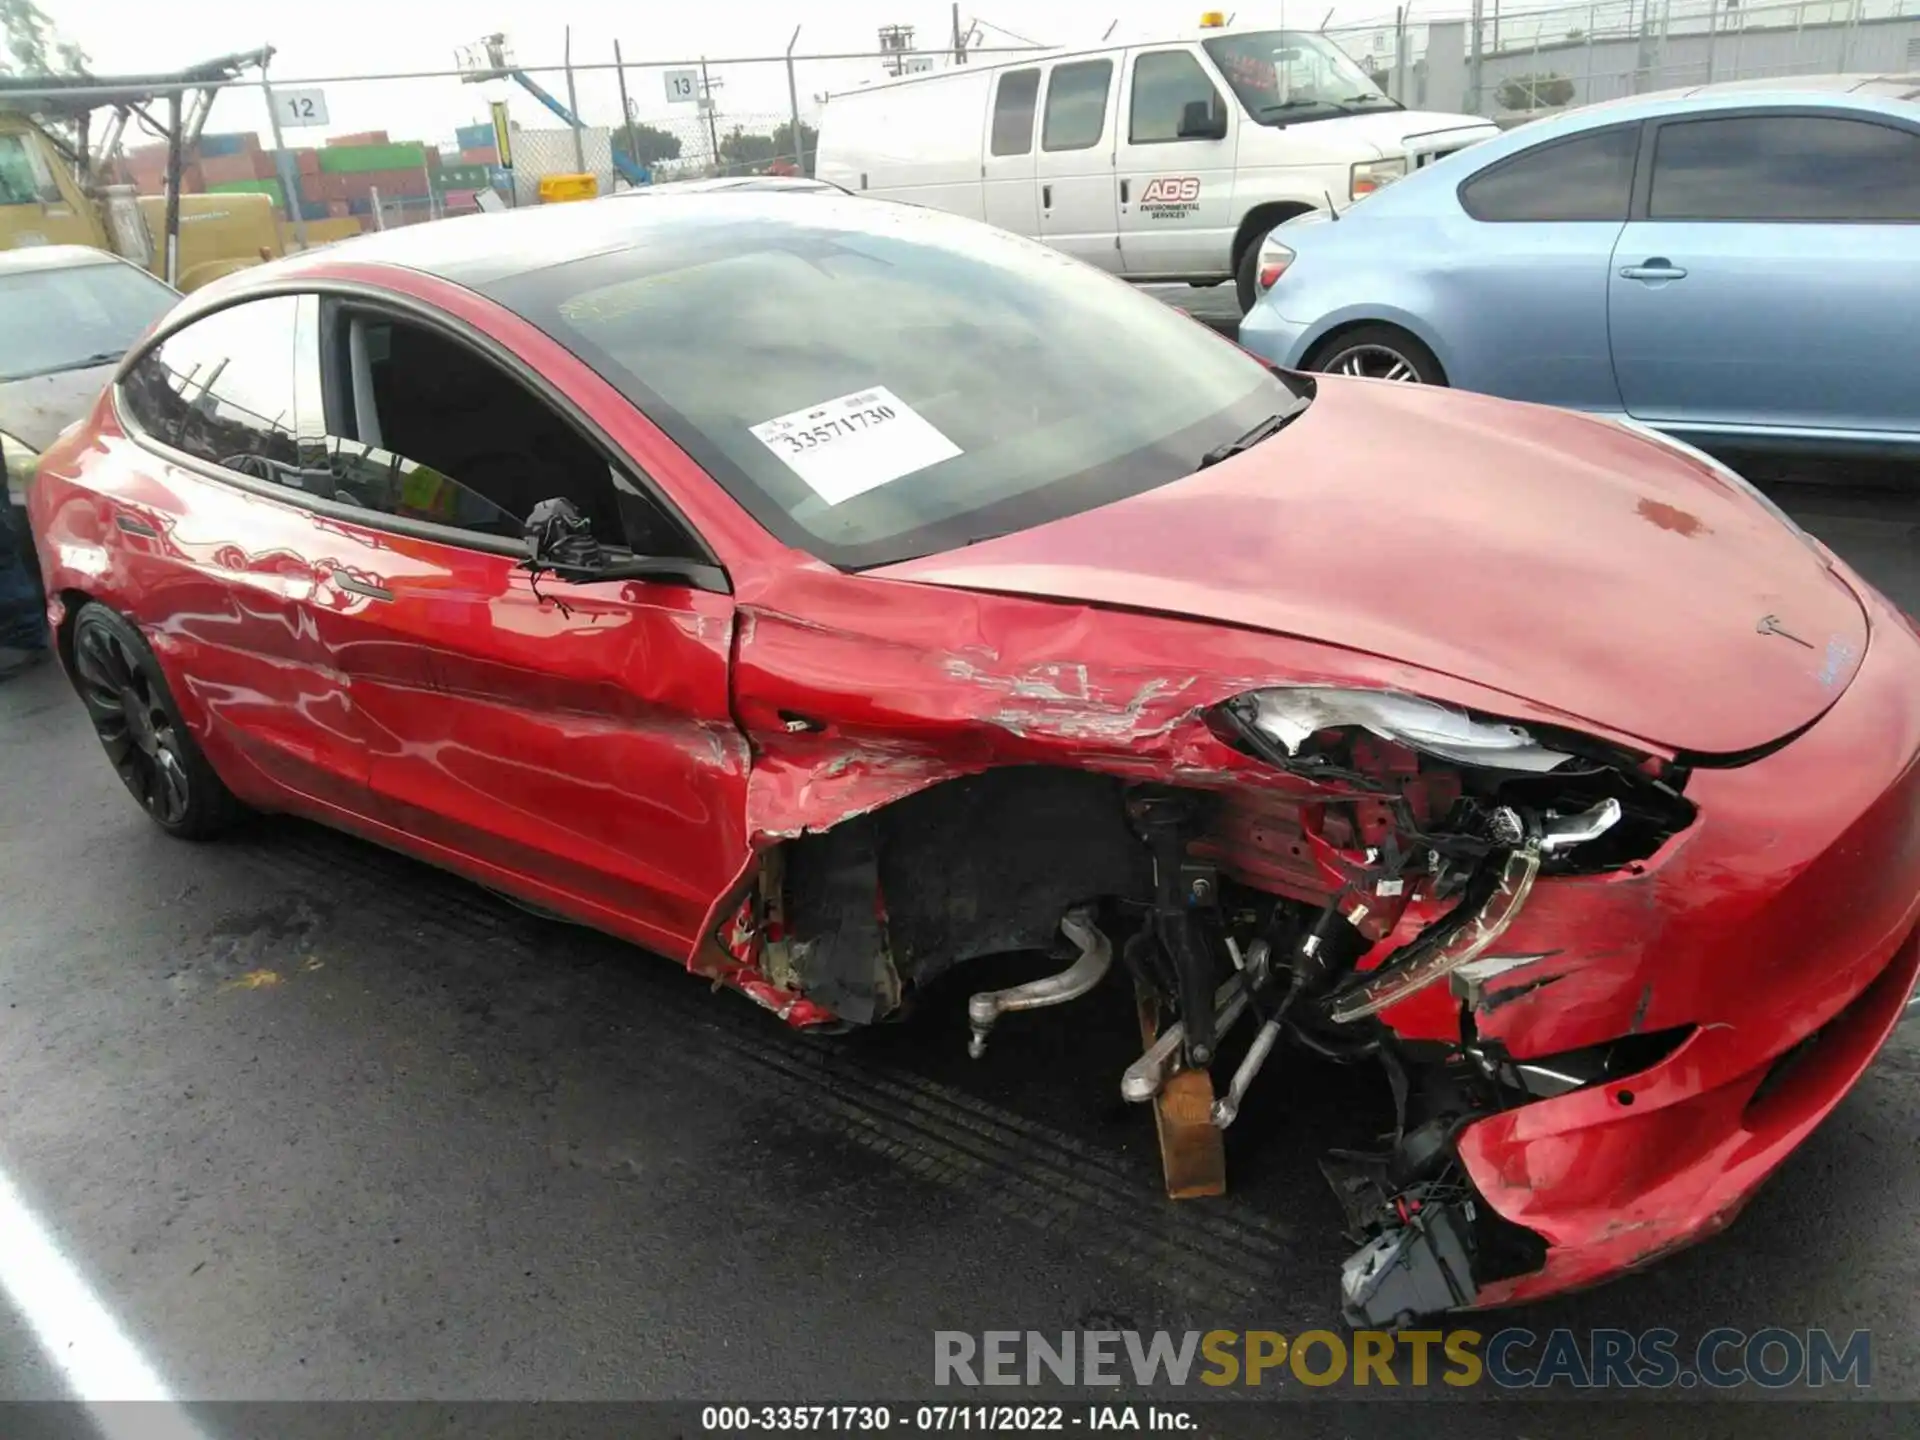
560,541
1202,120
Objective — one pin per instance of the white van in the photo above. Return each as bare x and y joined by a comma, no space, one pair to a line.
1163,161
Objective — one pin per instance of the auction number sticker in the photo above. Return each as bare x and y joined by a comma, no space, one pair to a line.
855,443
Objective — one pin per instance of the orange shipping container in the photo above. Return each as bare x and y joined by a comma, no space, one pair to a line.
365,137
225,169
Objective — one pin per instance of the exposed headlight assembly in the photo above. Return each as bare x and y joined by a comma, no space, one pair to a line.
1372,175
1289,717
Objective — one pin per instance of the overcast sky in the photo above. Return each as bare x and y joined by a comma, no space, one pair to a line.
358,37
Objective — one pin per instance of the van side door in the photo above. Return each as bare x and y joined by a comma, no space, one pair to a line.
1012,198
1079,208
1175,166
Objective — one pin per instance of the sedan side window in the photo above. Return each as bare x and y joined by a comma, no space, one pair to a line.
222,388
439,433
1589,177
1076,105
1785,167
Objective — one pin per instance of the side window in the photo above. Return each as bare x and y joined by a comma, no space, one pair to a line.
1013,107
1785,167
1165,82
1589,177
451,438
1076,105
24,176
222,389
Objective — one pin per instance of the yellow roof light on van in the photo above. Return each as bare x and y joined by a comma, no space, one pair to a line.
1212,19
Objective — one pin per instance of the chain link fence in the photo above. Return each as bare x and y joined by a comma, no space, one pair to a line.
340,154
1514,62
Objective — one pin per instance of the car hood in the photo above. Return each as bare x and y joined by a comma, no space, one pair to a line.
1398,131
35,410
1554,556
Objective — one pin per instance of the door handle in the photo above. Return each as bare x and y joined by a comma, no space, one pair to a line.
359,587
1046,197
1123,192
1657,268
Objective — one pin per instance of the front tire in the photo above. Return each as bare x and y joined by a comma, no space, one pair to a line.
140,728
1377,352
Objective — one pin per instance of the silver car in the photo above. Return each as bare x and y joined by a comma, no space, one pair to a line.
71,313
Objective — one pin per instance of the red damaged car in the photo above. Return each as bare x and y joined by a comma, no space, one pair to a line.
826,593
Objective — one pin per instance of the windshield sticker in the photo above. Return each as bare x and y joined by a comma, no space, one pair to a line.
847,446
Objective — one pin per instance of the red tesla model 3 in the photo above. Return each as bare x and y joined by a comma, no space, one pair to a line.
826,593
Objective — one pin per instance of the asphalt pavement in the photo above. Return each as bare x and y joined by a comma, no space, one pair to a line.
314,1121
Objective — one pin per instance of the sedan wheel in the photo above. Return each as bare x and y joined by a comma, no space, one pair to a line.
141,730
1373,362
1378,352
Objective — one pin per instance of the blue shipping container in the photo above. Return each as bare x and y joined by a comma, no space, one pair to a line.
222,144
474,137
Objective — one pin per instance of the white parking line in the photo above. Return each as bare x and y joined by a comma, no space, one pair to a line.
79,1334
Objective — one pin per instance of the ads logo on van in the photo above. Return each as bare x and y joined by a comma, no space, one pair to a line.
1171,197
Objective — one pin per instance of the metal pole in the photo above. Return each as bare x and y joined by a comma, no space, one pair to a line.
1713,34
626,106
793,97
959,50
379,214
573,105
1473,59
706,101
172,238
281,167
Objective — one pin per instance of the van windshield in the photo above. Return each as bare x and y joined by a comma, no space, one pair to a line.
874,381
1285,76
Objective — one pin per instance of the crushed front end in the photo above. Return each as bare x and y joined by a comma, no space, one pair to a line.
1609,987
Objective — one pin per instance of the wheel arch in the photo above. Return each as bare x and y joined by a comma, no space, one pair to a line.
1332,327
1261,217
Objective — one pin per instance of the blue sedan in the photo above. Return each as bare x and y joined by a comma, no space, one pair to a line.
1739,263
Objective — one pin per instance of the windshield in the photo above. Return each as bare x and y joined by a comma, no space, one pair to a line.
876,381
1285,76
76,316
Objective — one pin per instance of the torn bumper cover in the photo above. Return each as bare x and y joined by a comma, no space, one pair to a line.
1792,979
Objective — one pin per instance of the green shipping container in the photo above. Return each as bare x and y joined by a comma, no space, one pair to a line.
360,159
461,177
270,188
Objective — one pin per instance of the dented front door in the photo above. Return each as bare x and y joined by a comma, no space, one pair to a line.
576,741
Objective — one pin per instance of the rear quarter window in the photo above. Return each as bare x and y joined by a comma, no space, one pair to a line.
1584,177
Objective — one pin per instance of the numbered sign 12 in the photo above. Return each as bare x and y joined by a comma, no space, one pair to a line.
301,107
683,86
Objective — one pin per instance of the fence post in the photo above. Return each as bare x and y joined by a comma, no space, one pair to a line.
626,105
1473,59
573,108
1586,84
793,97
713,127
1713,34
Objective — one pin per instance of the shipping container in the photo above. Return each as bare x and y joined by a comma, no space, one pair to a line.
463,177
223,169
480,155
365,137
230,144
475,137
361,159
250,187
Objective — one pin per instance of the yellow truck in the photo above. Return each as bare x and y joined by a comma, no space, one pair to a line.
53,189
